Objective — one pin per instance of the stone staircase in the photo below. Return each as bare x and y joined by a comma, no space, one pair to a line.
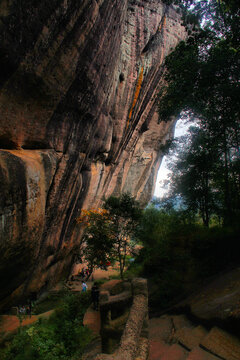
176,338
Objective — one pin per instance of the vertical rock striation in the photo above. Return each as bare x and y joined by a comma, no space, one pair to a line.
79,84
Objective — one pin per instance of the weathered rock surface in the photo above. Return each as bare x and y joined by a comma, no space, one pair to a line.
78,120
190,338
199,354
222,344
218,298
189,342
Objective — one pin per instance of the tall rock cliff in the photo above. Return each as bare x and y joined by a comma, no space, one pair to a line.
79,84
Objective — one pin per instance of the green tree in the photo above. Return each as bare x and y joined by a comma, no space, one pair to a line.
125,215
203,82
193,173
98,238
108,231
176,255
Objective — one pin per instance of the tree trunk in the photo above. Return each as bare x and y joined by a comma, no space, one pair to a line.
227,201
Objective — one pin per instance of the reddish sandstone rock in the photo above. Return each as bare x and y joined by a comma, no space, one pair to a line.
175,352
190,338
199,354
77,121
222,344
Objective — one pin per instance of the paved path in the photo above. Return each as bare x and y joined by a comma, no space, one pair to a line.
92,318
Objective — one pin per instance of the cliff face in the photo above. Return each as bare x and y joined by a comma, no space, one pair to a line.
79,82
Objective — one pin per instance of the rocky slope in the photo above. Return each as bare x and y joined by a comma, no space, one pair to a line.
79,82
176,338
208,327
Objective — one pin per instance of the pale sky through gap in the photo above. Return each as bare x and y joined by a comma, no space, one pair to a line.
180,129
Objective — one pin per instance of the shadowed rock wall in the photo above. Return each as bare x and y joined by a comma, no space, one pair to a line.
79,81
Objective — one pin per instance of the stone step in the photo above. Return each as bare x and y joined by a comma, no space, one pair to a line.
190,337
180,321
199,354
222,344
160,328
175,352
157,348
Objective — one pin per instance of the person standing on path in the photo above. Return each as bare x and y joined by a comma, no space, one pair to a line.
95,295
84,286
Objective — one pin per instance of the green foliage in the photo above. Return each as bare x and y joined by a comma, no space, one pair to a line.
124,206
125,215
98,236
63,336
108,231
177,255
51,302
205,176
203,83
193,169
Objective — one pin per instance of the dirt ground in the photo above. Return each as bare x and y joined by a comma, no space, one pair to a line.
98,273
10,323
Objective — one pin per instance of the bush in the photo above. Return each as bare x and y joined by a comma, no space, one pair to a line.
52,301
61,337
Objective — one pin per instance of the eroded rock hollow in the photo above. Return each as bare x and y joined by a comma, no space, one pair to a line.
79,86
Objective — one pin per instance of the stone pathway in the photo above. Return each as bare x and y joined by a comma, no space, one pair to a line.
98,274
10,323
92,320
92,317
176,338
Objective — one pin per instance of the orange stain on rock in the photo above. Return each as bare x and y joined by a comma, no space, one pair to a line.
163,24
137,91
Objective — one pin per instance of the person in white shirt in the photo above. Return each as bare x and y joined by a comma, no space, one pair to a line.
84,286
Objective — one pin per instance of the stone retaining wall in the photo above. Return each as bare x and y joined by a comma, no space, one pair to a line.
134,340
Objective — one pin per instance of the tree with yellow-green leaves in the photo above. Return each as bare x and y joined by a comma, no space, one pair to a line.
98,239
109,231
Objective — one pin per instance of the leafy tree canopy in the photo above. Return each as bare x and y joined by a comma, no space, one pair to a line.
108,231
125,213
203,82
203,72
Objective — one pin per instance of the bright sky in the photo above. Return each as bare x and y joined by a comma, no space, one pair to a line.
180,129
